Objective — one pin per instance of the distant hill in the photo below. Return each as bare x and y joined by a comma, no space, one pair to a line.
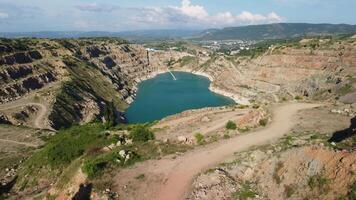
276,31
137,36
252,32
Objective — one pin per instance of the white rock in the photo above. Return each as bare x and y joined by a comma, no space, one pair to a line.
333,143
118,143
122,153
182,139
111,146
129,142
205,119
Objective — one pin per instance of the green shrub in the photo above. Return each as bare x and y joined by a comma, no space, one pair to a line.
199,137
93,167
263,122
231,125
244,193
69,144
298,97
352,192
289,190
318,181
141,134
226,136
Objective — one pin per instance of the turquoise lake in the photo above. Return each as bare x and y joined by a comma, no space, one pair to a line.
163,96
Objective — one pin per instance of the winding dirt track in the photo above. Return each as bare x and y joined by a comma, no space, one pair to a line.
177,174
19,143
40,118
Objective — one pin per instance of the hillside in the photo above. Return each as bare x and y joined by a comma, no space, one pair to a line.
75,81
62,130
276,31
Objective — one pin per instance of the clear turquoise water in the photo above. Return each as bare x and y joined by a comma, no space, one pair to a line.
162,96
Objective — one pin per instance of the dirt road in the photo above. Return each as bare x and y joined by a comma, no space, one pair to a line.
18,143
40,118
170,179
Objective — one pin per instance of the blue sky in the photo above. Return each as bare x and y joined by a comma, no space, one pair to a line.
122,15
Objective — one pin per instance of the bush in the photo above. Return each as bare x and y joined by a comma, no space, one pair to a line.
298,98
93,167
263,122
318,181
69,144
141,134
199,137
231,125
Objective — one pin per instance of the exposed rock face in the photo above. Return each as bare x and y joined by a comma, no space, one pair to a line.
300,173
104,71
17,89
284,72
4,120
20,58
88,75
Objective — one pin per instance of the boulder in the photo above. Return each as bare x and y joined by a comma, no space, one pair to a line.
205,119
122,153
182,139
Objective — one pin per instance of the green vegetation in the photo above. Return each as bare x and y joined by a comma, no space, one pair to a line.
352,192
82,147
286,142
289,190
95,165
140,177
199,138
85,79
231,125
69,144
244,193
276,176
298,98
164,46
186,60
263,122
318,182
141,134
244,129
347,88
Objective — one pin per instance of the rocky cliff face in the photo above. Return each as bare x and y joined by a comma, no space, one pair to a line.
79,78
88,75
285,71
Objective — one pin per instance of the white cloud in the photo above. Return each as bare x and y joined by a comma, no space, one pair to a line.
3,15
189,14
94,7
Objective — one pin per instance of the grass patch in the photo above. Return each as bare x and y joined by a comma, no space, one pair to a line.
298,98
318,182
199,138
263,122
141,134
289,190
344,90
140,177
276,176
244,193
231,125
352,192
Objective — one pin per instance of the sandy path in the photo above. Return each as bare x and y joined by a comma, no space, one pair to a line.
175,175
40,118
18,143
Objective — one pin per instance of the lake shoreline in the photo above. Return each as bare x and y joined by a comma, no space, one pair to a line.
236,98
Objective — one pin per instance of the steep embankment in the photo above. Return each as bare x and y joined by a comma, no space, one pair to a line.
77,80
314,69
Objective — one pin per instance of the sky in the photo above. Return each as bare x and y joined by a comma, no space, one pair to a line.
127,15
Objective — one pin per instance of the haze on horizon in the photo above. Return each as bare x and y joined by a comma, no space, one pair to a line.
119,15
